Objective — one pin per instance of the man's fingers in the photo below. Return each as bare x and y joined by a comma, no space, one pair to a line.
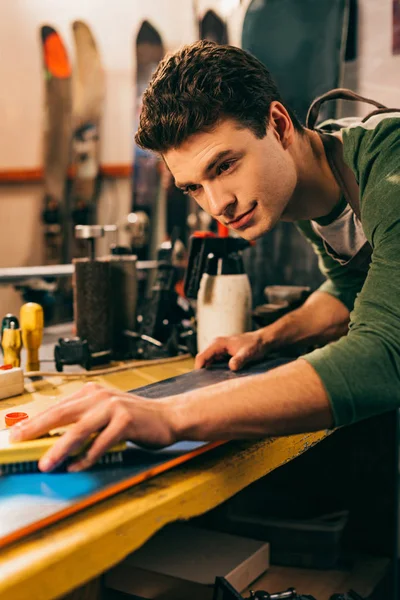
239,360
56,416
89,389
215,351
74,438
111,435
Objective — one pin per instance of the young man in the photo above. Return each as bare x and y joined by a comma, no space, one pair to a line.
219,123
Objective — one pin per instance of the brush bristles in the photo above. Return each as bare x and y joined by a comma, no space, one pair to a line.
23,468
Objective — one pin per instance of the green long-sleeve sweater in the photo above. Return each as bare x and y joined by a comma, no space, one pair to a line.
361,371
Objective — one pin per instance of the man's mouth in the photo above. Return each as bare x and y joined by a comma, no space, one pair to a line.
242,220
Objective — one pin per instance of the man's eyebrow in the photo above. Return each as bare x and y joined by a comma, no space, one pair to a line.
208,168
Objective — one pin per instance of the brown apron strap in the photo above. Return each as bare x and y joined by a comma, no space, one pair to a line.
380,111
336,94
343,174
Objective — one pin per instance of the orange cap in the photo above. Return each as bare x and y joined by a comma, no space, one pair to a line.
15,417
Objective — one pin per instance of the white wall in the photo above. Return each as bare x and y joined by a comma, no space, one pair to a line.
376,71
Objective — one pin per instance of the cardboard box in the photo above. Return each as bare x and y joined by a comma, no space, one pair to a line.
182,561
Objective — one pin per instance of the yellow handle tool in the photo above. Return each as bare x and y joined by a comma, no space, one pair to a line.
31,321
11,343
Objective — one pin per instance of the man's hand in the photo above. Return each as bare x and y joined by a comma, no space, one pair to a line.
321,319
116,415
243,348
287,399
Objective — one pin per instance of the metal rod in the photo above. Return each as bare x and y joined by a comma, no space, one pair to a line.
13,275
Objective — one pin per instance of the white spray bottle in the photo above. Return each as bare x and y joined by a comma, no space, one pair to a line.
216,276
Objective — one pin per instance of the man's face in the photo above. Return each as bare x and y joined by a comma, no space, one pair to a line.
242,181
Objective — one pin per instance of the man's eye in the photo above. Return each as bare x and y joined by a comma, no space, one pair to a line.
191,189
225,166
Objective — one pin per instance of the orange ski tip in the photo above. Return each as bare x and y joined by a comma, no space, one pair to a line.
55,54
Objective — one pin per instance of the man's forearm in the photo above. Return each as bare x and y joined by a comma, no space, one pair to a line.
286,400
321,319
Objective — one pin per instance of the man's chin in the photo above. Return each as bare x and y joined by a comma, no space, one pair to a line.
251,233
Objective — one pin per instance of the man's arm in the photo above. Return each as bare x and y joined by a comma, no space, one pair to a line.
321,319
288,399
361,372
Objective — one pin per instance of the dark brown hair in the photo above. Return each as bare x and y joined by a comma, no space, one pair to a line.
197,86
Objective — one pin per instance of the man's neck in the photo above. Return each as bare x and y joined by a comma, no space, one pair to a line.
317,191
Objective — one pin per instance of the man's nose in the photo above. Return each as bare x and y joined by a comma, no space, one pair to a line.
218,198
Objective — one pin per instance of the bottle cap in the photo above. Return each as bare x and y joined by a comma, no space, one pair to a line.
14,417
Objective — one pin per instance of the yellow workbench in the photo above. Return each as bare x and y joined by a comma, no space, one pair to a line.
64,556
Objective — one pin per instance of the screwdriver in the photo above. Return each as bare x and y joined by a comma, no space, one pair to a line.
5,324
31,318
11,343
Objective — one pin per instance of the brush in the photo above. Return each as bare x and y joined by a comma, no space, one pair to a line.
23,457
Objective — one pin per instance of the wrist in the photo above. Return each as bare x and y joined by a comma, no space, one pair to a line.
175,412
282,332
187,416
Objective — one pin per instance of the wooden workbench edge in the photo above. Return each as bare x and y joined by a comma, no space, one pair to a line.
49,564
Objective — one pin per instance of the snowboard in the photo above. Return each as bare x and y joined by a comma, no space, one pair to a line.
87,108
57,139
149,184
30,502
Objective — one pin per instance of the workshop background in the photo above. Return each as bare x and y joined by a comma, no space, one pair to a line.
371,68
318,511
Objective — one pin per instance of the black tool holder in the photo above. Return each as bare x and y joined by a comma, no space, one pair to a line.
199,250
72,351
161,330
224,591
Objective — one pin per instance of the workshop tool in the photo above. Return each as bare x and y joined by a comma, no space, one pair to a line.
92,299
31,320
105,301
72,351
90,233
216,278
11,381
124,297
92,307
6,323
11,343
137,225
23,457
223,590
164,322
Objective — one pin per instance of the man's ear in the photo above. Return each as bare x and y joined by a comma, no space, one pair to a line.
280,124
